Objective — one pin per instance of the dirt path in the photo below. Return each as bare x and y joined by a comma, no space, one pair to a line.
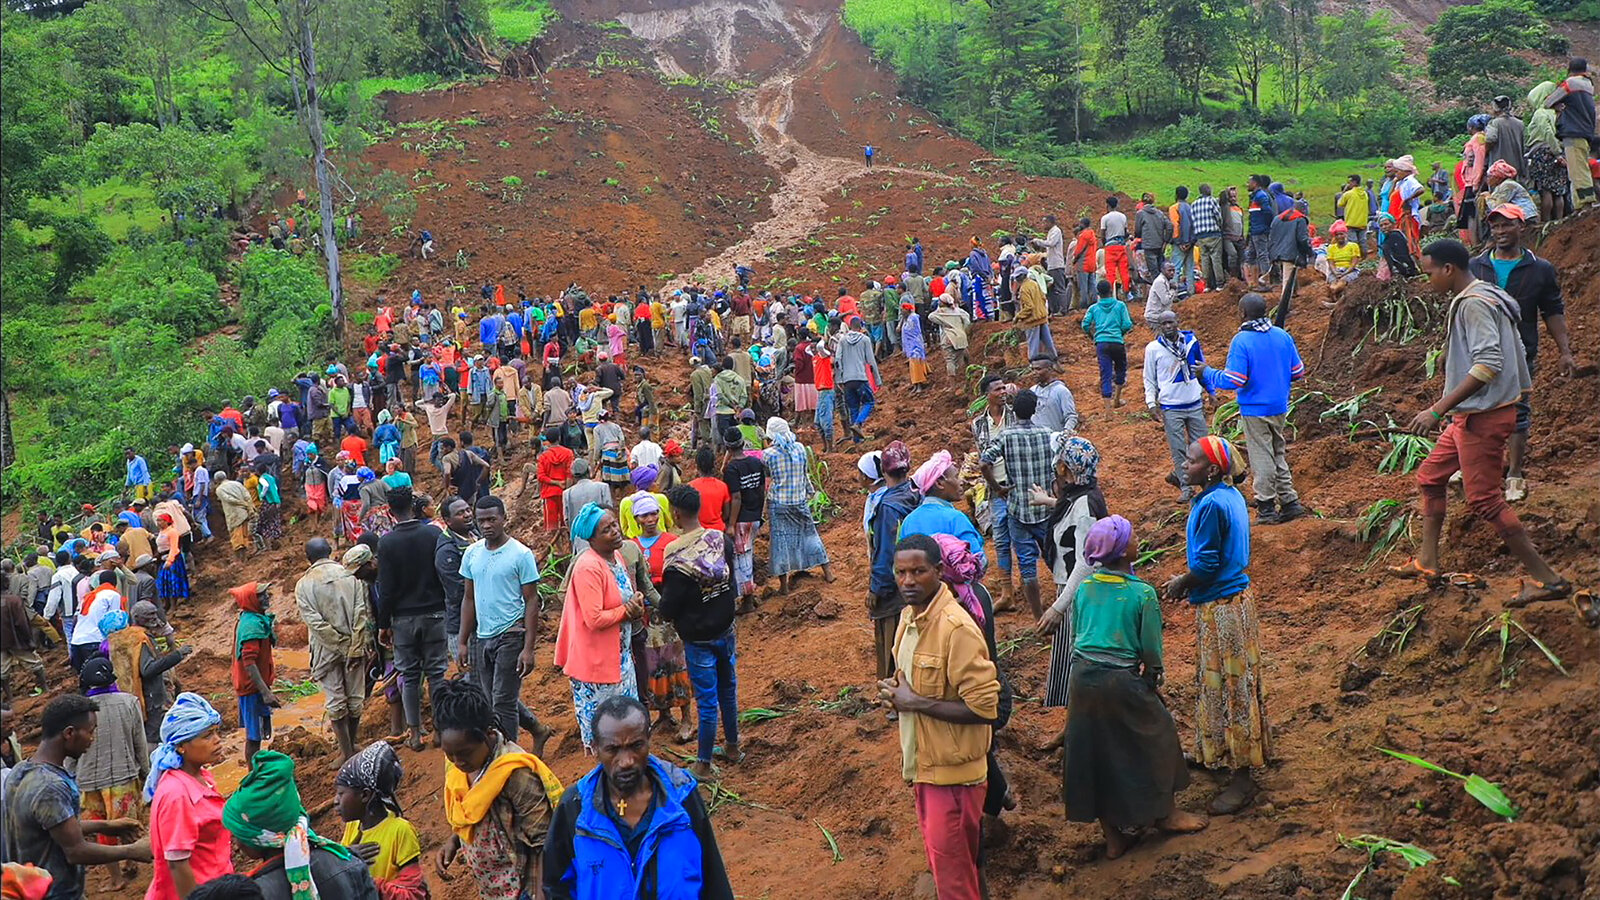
798,202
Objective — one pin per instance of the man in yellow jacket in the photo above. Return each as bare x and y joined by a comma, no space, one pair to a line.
947,692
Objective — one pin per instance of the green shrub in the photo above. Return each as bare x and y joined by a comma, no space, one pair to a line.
369,270
275,286
161,284
1195,138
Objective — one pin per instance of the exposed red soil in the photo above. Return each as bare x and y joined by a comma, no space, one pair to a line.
1333,694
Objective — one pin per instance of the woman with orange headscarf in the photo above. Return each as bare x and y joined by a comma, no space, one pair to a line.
1231,721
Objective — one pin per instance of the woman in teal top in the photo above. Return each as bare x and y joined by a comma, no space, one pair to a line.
1122,763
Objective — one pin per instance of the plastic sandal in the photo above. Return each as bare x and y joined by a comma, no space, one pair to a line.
1559,590
1588,611
1413,569
1465,580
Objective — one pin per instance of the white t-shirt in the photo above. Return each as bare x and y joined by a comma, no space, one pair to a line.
645,453
1114,225
87,629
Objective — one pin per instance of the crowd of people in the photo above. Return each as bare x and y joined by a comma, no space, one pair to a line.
418,588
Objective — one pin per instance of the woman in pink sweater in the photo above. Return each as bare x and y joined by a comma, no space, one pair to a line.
597,619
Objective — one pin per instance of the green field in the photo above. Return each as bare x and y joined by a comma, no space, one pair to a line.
115,205
519,21
1318,178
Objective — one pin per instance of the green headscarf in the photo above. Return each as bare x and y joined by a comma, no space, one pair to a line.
266,813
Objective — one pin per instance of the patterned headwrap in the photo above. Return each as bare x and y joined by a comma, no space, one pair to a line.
1080,457
188,718
931,471
1222,454
1108,539
1386,218
960,567
896,456
1405,164
113,622
266,813
645,504
375,769
1502,169
586,521
644,476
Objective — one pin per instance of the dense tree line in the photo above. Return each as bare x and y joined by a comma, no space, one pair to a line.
1032,76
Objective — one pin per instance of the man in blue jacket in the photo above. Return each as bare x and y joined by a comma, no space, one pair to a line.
1262,362
633,827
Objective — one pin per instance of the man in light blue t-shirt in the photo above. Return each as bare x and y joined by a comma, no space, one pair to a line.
500,608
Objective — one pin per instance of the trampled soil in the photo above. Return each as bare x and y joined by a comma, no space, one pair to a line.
1335,690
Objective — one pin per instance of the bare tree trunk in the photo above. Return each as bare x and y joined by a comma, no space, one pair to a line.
8,449
319,150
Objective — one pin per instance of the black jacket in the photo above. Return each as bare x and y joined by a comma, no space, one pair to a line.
1532,283
346,879
698,616
408,581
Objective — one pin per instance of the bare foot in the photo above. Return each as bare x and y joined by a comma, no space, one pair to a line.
541,738
1117,843
1181,822
685,734
701,770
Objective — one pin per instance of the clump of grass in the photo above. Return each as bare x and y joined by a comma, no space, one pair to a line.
1501,626
833,845
1382,525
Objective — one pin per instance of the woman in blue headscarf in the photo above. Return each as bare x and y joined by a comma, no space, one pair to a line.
602,604
188,842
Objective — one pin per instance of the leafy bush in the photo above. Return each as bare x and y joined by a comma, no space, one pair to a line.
369,270
1195,138
1322,133
276,286
160,284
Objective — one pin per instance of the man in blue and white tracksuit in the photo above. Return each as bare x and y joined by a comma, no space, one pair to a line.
1262,363
1172,391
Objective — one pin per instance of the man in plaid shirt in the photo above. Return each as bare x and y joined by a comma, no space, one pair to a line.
1207,214
1029,461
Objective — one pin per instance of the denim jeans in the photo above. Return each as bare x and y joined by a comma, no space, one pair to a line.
1001,531
419,653
342,424
202,514
858,401
494,669
824,414
1113,359
1183,261
1026,540
713,672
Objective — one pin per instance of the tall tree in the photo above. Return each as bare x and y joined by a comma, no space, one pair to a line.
1474,52
1260,28
1199,42
1345,77
284,36
1300,50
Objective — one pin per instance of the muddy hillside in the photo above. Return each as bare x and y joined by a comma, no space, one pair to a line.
672,140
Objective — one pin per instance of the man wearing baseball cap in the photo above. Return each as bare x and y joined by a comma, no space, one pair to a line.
1530,281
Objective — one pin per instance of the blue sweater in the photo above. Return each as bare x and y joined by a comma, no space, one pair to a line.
1107,321
1218,543
894,505
936,516
1261,364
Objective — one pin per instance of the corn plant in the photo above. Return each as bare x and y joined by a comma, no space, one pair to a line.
833,845
762,714
1430,363
1375,846
821,506
1500,626
1392,639
1351,408
1481,789
1382,525
1228,413
1406,452
1148,554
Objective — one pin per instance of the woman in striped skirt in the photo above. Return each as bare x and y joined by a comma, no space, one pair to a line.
1078,505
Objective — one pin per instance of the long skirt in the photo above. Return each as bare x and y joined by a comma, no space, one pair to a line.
350,520
919,370
794,539
1231,720
1121,760
613,465
173,582
805,397
588,695
269,522
316,497
1057,685
668,672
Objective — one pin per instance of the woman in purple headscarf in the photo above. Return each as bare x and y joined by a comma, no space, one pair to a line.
1122,764
644,482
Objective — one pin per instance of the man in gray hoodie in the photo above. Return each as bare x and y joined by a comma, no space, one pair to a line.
852,360
1485,373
